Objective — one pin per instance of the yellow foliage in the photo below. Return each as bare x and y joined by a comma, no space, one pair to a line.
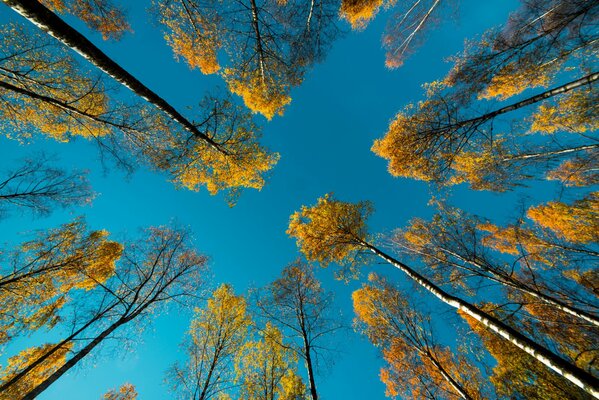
37,375
400,146
125,392
48,70
330,231
100,15
243,166
267,369
191,36
359,13
573,112
578,172
577,223
261,94
512,80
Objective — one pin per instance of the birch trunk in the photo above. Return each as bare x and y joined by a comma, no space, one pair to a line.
577,376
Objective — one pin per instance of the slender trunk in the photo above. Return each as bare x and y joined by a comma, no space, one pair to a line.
587,80
452,382
577,376
54,349
310,369
208,378
259,48
550,153
36,391
49,22
524,288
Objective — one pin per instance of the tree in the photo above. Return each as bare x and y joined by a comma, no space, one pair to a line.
447,139
36,185
424,142
153,272
517,374
297,304
37,374
528,51
406,28
267,370
453,245
57,97
268,44
99,15
334,231
417,366
36,282
125,392
216,336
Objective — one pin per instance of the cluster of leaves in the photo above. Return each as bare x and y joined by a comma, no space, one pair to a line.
265,46
252,350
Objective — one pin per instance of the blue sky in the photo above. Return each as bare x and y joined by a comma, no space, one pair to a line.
324,140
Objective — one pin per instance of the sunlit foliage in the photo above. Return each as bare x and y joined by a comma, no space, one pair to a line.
42,272
100,15
216,336
265,46
331,230
417,366
37,375
125,392
267,369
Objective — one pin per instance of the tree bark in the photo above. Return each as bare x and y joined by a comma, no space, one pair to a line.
49,22
455,385
36,391
524,288
577,376
586,80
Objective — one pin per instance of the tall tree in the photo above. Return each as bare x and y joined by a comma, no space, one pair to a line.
216,336
453,245
267,43
528,50
36,281
297,304
334,231
417,365
517,374
15,363
43,89
423,142
159,268
267,370
447,139
38,186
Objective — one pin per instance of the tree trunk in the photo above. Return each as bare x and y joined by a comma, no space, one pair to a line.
524,288
49,22
54,349
37,390
577,376
587,80
551,153
310,369
455,385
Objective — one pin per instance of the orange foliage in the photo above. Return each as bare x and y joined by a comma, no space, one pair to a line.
577,223
37,375
360,12
100,15
330,231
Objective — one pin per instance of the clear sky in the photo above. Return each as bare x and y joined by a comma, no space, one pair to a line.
324,140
